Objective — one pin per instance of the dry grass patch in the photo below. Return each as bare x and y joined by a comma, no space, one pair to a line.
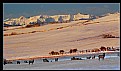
6,34
14,33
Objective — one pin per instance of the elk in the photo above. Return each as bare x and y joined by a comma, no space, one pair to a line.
31,61
101,56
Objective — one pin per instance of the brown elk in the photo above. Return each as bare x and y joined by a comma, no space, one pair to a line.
73,50
61,51
96,50
92,50
82,51
102,48
51,53
54,53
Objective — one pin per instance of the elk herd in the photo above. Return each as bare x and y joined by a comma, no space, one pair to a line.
100,56
17,62
102,48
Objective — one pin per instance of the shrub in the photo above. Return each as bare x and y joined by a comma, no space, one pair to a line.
13,33
6,34
33,31
28,26
36,25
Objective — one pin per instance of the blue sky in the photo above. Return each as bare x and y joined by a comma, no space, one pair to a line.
14,10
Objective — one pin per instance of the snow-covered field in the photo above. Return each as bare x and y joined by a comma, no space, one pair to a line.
73,35
109,63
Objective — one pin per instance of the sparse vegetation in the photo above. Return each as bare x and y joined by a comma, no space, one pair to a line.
28,26
14,33
109,36
33,31
6,34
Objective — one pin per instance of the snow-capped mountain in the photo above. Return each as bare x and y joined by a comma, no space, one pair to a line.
45,19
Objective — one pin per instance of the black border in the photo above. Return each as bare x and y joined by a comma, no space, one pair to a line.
1,48
46,1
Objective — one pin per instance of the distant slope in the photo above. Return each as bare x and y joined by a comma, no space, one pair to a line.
53,38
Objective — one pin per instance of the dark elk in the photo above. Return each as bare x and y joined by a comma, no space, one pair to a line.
18,62
4,61
31,61
88,57
56,59
101,56
73,58
25,61
93,57
7,61
45,60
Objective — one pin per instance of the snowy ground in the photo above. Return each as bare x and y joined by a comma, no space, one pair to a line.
109,63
